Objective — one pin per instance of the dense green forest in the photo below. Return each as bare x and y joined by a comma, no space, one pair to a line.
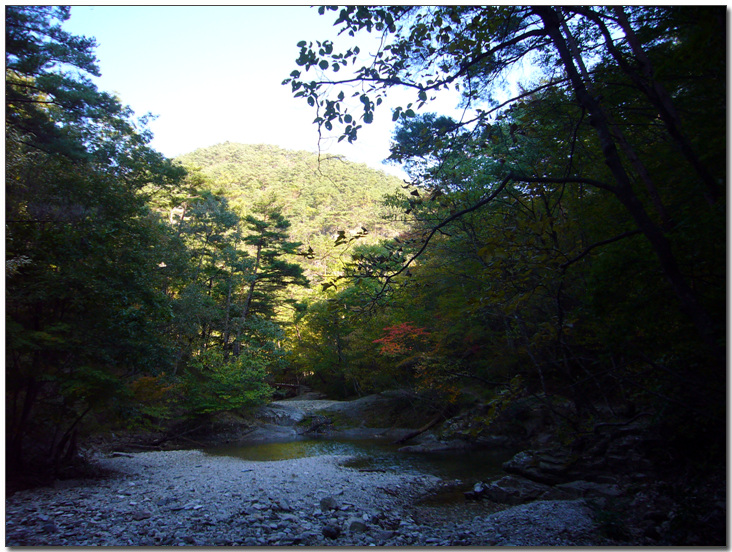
568,244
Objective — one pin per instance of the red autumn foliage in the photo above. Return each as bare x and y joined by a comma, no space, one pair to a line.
402,339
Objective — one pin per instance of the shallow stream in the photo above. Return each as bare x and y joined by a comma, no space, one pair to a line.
380,454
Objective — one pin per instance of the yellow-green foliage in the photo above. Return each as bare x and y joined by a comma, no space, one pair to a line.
218,384
154,396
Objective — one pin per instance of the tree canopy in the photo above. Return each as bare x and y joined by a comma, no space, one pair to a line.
573,233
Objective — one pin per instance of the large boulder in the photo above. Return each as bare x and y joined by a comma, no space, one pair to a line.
510,490
524,421
281,415
514,489
382,410
557,466
266,433
548,467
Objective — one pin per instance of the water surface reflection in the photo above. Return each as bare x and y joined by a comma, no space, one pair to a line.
379,454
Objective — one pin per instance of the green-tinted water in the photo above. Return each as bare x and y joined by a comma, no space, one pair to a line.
380,454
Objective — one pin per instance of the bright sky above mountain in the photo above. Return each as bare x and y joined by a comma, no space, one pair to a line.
213,74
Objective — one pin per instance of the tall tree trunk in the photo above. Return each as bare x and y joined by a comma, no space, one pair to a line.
250,294
623,190
66,448
227,332
248,302
16,437
661,99
643,77
617,134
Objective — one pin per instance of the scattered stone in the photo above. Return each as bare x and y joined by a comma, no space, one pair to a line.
328,503
356,525
164,499
477,492
331,531
283,505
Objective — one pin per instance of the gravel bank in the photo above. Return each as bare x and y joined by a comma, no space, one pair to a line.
190,498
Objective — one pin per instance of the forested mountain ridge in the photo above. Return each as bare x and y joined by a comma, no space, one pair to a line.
320,195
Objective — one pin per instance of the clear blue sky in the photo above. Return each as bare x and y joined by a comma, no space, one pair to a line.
213,74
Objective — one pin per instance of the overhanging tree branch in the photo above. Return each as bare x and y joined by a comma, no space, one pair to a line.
566,180
586,252
444,223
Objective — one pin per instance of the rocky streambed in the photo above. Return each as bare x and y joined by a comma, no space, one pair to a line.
184,498
607,495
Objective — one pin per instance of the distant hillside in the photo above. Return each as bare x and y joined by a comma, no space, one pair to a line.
319,198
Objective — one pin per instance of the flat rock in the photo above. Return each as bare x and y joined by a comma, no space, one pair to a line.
280,414
542,467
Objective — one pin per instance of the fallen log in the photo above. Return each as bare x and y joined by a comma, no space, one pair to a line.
433,422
